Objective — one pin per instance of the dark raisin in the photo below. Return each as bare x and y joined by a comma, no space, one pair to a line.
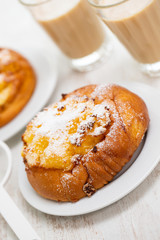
107,108
88,189
94,149
63,95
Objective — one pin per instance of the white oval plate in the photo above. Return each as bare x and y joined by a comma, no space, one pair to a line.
44,67
145,162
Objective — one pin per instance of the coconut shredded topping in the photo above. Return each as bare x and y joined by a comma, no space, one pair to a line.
48,122
98,131
63,124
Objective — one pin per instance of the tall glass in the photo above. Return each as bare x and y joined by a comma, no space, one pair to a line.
137,25
74,27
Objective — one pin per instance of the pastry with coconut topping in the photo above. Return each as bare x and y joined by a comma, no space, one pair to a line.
17,84
77,145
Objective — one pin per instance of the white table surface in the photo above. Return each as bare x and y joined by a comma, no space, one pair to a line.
136,216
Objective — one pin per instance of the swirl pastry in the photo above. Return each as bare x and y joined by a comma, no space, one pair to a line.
17,83
78,145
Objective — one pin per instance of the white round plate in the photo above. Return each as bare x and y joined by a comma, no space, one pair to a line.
44,67
143,162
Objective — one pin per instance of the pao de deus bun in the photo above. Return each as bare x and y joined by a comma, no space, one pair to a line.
17,83
77,145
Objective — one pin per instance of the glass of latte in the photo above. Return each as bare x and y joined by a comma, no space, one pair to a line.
74,27
136,23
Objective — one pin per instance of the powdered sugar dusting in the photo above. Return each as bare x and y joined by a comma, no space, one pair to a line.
99,112
100,90
86,124
48,122
75,139
64,125
5,56
98,131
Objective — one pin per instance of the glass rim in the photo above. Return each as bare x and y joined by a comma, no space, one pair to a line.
106,5
23,2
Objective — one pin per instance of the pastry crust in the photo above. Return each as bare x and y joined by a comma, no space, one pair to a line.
17,83
126,125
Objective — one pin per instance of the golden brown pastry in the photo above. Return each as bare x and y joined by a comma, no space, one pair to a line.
78,145
17,83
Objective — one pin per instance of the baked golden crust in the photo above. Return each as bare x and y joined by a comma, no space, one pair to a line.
17,83
126,121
